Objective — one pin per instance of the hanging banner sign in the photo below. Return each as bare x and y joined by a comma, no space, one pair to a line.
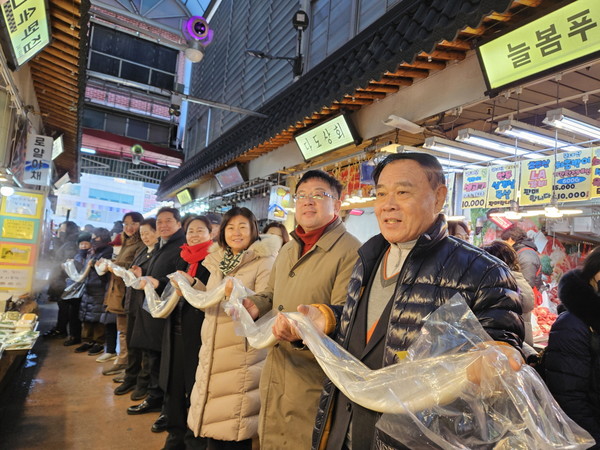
475,184
595,182
502,186
25,30
563,38
535,185
572,176
38,160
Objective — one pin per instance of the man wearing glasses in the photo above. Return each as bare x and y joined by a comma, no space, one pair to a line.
402,275
314,267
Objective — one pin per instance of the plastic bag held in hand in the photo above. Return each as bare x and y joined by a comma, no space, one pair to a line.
102,266
72,272
427,399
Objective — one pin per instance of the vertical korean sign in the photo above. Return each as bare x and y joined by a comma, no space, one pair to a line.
20,222
25,30
38,160
475,183
572,176
502,187
537,176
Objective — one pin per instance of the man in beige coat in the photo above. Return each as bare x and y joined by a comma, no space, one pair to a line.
314,267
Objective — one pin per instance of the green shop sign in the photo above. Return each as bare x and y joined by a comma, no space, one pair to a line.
564,38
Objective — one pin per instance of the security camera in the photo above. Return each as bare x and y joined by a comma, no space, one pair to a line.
198,29
136,154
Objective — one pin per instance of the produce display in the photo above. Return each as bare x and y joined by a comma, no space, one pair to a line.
17,331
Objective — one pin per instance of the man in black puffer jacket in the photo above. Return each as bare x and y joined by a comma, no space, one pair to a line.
402,275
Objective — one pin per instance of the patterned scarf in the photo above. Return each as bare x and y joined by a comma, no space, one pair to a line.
230,261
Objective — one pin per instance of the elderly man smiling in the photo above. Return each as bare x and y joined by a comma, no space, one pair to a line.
402,275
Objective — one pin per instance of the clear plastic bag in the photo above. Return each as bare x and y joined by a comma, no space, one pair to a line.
204,299
101,266
427,400
126,275
73,273
159,306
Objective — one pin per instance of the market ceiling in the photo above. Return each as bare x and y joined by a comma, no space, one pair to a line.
367,69
58,79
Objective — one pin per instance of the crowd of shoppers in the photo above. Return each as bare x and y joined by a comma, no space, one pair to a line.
214,391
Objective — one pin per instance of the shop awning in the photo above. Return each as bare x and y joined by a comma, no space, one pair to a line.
58,74
410,41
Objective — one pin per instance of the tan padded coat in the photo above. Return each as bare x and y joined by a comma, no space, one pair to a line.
225,400
292,380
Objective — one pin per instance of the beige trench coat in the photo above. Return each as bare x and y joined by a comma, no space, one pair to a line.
225,400
292,380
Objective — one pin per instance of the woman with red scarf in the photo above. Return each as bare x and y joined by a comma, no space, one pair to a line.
181,342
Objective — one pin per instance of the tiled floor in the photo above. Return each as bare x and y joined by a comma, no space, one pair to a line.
60,400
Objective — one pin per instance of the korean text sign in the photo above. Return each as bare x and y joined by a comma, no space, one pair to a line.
26,24
572,173
330,135
38,160
502,185
536,181
569,34
475,186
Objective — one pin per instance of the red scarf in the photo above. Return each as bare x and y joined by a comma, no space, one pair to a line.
310,238
193,254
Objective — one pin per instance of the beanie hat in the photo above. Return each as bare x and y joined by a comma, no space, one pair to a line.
84,237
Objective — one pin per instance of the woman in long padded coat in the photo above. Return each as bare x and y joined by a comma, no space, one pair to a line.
225,401
572,357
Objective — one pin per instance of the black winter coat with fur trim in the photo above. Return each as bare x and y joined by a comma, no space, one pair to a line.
572,368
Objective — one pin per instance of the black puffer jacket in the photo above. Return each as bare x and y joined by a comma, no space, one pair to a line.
571,367
92,306
437,268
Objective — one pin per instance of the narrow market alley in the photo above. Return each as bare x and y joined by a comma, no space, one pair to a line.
59,399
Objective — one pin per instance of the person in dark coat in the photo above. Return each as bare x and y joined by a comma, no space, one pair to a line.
137,372
165,260
572,357
84,241
181,342
92,303
402,275
66,247
529,258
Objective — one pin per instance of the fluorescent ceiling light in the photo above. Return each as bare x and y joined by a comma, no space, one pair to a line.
492,142
535,135
90,151
575,123
456,149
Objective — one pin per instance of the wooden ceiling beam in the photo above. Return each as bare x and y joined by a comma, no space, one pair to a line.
65,18
473,31
66,39
446,55
356,101
48,85
409,73
60,97
424,64
455,44
65,48
530,3
72,61
56,61
371,95
68,7
395,81
381,87
49,71
498,17
65,29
